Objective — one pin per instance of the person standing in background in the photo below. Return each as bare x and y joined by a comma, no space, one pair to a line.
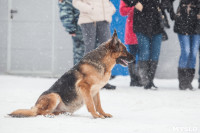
147,26
95,17
69,17
199,70
187,26
126,9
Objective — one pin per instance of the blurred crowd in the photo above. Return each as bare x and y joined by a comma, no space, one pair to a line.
88,22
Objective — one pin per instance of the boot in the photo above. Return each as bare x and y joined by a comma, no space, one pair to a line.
138,80
133,75
151,74
109,87
191,74
183,78
143,68
112,77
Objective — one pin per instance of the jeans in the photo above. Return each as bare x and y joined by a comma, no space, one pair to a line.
148,47
133,49
189,48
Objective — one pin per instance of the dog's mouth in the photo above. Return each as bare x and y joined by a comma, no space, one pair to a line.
122,62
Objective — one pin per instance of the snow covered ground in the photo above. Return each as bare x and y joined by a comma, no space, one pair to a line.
135,110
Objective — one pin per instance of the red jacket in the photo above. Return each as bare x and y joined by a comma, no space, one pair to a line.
130,36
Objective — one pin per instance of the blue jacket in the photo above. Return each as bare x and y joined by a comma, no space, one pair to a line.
69,16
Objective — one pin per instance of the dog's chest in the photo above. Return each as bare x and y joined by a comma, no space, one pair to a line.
100,83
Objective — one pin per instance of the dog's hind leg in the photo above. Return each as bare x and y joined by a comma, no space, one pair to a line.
46,104
98,107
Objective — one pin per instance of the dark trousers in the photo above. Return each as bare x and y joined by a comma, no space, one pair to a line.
133,69
133,49
95,34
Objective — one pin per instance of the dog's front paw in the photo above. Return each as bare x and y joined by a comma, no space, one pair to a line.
98,116
107,115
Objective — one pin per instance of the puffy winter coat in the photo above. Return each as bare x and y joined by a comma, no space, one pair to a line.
187,20
69,16
130,36
148,21
94,10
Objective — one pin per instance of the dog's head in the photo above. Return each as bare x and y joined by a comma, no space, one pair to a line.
119,51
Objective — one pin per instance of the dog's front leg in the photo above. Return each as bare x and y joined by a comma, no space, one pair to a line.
89,102
98,107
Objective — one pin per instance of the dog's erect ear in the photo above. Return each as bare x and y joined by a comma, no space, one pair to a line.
115,37
114,43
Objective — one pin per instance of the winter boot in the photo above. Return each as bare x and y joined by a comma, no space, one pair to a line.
151,74
199,85
143,68
190,74
138,79
199,82
134,75
183,78
109,86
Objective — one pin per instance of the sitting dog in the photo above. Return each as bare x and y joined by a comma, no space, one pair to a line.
82,83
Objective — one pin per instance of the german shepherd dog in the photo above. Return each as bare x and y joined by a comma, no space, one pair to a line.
82,83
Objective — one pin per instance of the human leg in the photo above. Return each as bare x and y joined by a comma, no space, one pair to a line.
199,69
103,35
194,47
155,45
133,69
185,50
102,32
143,57
78,47
183,61
89,36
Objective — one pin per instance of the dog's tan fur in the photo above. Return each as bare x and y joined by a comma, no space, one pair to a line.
91,76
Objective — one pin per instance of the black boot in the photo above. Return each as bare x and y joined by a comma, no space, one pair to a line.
134,75
143,68
151,74
109,86
183,78
199,83
190,74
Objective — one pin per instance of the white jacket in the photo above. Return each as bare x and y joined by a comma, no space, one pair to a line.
94,10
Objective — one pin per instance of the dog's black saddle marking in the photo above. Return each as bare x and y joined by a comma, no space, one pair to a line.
65,87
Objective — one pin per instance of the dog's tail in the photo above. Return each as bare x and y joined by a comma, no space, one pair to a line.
24,112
